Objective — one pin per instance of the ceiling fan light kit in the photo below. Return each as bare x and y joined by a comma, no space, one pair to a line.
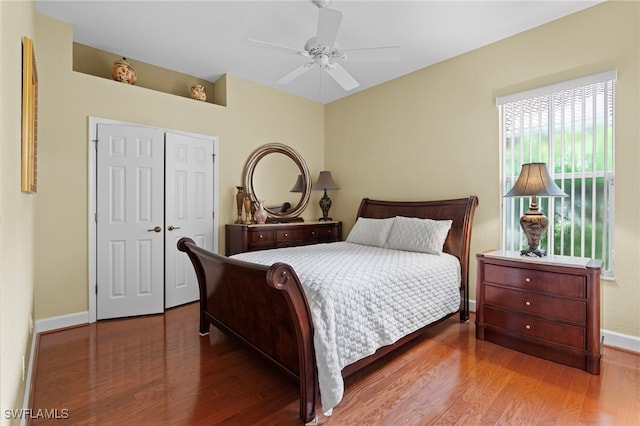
323,50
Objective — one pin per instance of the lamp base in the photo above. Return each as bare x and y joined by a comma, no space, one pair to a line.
534,224
325,205
533,253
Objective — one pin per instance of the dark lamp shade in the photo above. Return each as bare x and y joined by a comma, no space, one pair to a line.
325,182
299,186
535,180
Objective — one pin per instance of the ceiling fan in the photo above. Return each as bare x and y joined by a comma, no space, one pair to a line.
323,51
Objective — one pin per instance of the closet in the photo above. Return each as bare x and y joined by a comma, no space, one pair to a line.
152,187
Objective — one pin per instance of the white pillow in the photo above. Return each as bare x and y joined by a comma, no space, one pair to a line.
370,232
420,235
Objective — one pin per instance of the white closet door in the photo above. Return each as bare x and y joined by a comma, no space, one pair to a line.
130,216
189,211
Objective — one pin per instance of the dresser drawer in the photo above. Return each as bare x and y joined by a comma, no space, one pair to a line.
291,235
528,303
259,236
534,327
536,280
327,234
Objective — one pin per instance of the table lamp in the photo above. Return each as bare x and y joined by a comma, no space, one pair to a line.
325,182
534,181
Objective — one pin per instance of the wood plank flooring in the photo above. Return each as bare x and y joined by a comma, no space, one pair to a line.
157,370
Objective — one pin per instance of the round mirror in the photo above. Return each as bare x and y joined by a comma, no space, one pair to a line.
278,175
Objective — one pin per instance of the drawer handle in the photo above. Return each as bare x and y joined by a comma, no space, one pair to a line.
528,279
260,236
313,232
527,326
286,235
527,303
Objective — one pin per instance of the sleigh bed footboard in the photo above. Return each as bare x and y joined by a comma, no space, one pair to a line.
265,308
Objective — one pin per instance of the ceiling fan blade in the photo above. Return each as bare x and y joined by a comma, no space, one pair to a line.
373,54
296,72
342,77
277,47
328,24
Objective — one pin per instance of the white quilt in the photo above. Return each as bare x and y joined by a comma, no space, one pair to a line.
363,298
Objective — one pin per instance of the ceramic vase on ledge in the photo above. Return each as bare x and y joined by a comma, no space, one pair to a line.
198,92
124,72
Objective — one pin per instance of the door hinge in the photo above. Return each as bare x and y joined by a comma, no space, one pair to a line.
96,143
96,288
213,157
213,215
95,217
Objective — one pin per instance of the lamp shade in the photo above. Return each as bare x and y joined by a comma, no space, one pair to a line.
535,180
325,181
299,186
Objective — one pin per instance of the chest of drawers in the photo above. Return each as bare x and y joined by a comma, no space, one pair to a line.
547,307
242,238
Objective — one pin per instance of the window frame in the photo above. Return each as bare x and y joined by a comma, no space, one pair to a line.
550,143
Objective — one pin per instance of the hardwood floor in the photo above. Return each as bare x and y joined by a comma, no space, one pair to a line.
157,370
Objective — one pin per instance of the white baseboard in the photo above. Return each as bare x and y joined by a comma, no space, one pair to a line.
63,321
619,340
44,325
609,338
27,383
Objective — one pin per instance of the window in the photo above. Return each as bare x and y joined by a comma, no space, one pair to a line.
569,126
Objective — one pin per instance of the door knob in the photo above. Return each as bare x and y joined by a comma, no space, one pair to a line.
171,227
156,229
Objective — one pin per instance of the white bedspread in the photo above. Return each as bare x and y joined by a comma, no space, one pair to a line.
363,298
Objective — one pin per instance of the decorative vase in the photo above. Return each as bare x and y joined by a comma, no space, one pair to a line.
239,202
198,92
247,210
124,72
260,214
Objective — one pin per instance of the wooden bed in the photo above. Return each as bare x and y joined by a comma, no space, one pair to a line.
266,308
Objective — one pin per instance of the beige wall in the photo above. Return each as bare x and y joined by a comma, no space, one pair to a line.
434,133
255,115
16,212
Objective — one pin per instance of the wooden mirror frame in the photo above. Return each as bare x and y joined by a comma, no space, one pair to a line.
278,148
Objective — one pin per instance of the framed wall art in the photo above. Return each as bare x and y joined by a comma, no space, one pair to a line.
29,179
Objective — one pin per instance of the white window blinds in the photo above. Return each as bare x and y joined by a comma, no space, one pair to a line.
569,126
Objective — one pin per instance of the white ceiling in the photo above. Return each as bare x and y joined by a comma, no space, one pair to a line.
205,39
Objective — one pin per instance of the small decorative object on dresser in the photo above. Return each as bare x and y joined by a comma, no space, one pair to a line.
124,72
547,307
243,238
324,182
239,202
261,214
198,92
248,214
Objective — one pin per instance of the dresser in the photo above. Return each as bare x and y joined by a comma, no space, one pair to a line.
548,307
241,238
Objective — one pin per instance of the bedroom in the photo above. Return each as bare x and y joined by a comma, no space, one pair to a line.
44,264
